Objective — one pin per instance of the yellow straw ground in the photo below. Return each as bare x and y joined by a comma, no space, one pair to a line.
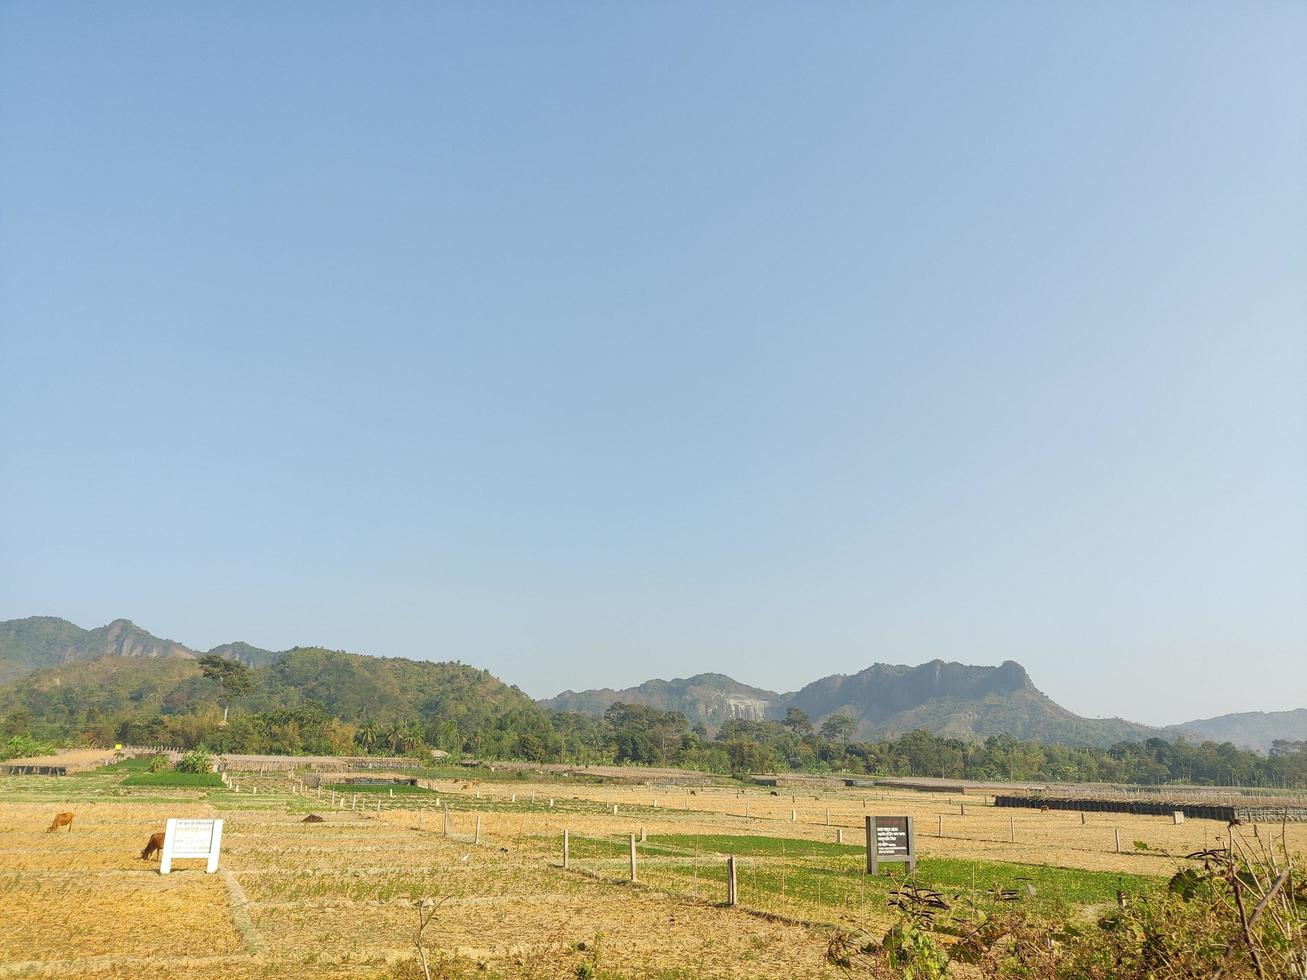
337,898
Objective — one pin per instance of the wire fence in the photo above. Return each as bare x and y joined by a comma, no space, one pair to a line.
798,881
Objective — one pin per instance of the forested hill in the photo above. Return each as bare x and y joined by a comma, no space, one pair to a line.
1258,730
387,689
151,699
47,641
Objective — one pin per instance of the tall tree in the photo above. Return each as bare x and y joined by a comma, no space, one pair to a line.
797,721
839,726
233,677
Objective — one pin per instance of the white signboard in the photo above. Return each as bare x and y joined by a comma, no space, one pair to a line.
191,839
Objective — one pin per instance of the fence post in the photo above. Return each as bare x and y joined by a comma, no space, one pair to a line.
476,839
633,877
1116,832
839,835
1012,829
566,856
731,892
940,831
873,865
446,819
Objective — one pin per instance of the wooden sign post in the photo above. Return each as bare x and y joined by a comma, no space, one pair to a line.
191,839
890,839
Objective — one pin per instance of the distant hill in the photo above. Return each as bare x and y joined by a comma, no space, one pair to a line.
1247,729
956,700
352,687
47,641
707,698
886,700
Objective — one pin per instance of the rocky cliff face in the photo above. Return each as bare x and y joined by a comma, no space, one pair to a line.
709,699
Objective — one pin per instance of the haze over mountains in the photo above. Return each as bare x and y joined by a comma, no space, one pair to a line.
41,655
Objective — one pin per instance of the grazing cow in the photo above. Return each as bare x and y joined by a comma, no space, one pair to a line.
155,843
61,820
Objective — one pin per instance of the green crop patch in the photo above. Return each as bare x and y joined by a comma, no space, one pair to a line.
127,765
186,780
385,789
821,874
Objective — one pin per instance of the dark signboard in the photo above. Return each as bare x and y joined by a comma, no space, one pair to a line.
891,836
890,839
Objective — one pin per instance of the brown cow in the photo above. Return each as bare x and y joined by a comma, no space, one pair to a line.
61,820
155,843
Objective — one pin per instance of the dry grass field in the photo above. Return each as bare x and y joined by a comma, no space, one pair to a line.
338,898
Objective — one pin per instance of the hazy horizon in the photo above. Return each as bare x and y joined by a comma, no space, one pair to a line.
593,344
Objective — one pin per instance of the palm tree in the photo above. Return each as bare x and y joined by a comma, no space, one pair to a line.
368,736
395,736
416,735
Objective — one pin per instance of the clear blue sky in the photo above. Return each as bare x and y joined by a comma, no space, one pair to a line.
593,342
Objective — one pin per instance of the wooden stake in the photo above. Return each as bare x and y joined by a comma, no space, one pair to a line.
477,838
731,889
1116,832
566,855
633,878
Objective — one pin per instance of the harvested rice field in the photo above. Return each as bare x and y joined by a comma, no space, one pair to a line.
339,897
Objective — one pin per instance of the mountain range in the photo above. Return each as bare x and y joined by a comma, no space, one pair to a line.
47,641
44,658
884,700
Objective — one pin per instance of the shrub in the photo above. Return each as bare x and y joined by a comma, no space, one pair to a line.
23,745
1236,914
196,760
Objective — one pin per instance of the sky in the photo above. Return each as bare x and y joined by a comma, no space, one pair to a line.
590,343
